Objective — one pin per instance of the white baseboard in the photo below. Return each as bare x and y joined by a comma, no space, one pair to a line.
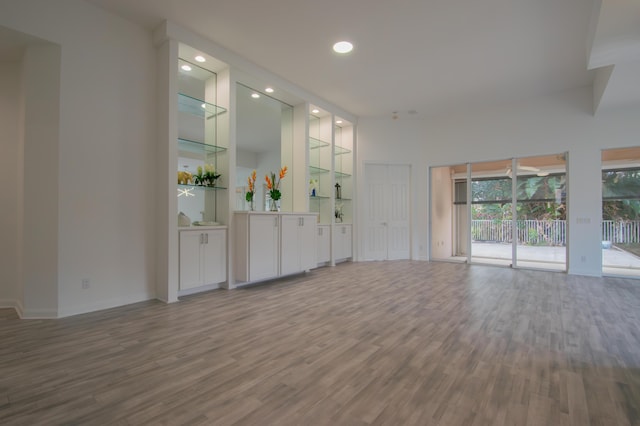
13,304
103,304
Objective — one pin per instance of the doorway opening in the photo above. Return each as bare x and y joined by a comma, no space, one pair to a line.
387,230
508,212
621,212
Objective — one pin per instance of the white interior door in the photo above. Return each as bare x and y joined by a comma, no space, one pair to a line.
387,226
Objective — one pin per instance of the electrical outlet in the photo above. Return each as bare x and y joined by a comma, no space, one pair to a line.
85,283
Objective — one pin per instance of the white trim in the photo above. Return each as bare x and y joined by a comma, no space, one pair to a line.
14,304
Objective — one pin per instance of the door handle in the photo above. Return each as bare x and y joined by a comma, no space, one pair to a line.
206,238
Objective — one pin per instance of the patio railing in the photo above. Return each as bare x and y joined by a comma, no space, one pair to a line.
549,232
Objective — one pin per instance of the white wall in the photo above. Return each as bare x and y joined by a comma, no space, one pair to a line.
396,142
106,157
544,125
41,128
10,172
441,213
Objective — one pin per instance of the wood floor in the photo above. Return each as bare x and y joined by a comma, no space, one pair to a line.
388,343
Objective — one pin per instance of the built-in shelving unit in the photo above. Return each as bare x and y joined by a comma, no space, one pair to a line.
202,180
343,154
199,149
320,164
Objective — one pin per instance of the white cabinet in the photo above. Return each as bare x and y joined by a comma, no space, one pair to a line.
203,257
263,247
342,242
257,246
323,244
272,244
297,243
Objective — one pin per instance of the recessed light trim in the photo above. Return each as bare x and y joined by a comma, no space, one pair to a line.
343,47
269,90
185,67
255,95
315,110
338,121
200,58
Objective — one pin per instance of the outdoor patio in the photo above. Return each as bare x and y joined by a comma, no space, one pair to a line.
615,260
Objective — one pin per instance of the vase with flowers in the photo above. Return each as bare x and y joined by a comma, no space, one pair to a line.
206,176
273,185
250,195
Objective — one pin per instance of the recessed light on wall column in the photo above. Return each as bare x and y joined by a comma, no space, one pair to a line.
315,111
343,47
269,90
200,58
186,68
255,95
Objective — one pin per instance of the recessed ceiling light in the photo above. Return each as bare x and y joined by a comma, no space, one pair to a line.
186,68
255,95
269,90
315,110
342,47
200,58
203,105
338,121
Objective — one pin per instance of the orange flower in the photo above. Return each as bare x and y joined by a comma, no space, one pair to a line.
269,182
283,171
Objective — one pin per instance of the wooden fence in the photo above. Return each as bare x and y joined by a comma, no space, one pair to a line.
549,232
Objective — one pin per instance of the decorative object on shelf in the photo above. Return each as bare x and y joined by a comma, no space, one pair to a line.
187,192
183,220
184,178
339,213
206,176
201,223
338,191
273,185
249,196
313,187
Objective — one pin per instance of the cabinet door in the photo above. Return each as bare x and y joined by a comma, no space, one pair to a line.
347,242
307,239
214,257
323,244
263,246
289,244
342,242
190,273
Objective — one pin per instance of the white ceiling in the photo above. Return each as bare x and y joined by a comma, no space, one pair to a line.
427,56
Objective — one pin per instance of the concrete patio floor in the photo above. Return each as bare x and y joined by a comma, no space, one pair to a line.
615,261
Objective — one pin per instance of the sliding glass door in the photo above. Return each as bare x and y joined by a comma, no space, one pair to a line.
541,212
621,211
508,212
491,213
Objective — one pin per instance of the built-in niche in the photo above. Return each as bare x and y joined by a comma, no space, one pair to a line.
264,138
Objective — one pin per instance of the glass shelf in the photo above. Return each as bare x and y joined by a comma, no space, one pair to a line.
182,187
194,147
317,170
198,107
340,150
340,174
317,143
318,197
343,199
